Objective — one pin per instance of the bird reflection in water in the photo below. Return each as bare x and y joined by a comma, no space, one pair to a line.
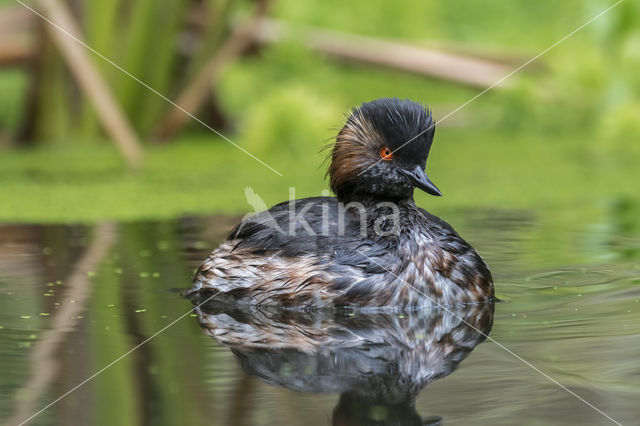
378,363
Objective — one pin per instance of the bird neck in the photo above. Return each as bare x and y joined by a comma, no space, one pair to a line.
374,199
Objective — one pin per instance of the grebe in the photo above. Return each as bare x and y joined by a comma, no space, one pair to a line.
371,246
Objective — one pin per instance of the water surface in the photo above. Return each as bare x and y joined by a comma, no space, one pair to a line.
73,299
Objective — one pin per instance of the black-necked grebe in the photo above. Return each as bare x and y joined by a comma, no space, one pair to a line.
370,246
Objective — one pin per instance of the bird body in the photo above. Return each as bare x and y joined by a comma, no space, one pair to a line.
370,247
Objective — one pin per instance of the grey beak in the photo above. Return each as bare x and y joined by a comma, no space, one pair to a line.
419,178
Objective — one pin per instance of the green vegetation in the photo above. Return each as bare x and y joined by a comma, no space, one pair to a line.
564,135
540,177
201,176
142,37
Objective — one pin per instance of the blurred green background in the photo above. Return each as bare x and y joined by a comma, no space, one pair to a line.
564,135
540,176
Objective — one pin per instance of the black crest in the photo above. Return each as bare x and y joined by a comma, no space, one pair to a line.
405,125
402,127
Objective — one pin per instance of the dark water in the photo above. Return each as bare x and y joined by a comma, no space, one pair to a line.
75,299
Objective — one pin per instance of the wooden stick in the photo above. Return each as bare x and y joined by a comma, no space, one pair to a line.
468,70
14,50
15,19
195,94
90,80
16,35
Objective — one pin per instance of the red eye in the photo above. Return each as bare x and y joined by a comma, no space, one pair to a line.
385,153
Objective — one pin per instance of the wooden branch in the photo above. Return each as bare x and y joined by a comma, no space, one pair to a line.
194,96
90,80
16,35
15,19
467,70
14,51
